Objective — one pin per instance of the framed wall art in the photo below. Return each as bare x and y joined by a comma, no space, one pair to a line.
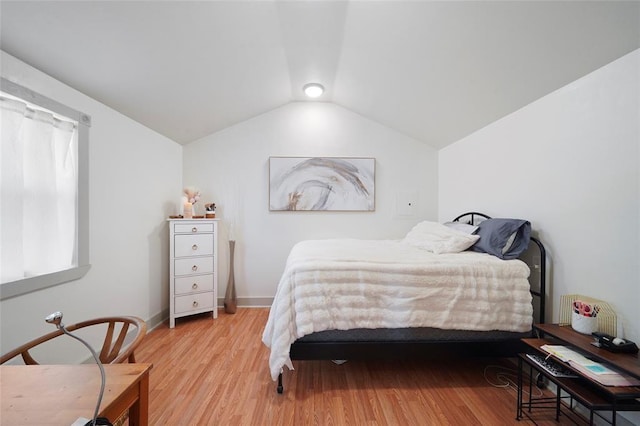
321,184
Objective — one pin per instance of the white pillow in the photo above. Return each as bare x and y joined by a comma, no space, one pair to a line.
437,238
462,227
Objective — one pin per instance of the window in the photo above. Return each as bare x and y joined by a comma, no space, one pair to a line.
44,203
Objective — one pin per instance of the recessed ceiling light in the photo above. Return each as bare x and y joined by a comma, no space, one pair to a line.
313,90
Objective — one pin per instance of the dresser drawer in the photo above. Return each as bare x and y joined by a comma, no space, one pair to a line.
196,265
195,284
193,245
194,302
192,228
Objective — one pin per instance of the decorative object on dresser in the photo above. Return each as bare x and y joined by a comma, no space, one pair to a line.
210,210
193,267
191,197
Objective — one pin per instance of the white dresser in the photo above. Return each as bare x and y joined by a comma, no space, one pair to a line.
193,267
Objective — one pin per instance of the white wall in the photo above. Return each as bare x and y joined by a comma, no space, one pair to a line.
134,175
231,169
569,163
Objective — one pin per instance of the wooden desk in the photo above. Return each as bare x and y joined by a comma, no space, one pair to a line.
591,394
59,394
629,363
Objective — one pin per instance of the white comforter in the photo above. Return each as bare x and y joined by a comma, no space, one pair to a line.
345,284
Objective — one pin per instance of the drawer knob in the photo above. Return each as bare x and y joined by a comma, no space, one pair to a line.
195,304
194,268
194,286
194,229
194,247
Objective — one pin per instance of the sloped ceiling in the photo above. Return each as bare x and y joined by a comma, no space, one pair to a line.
434,70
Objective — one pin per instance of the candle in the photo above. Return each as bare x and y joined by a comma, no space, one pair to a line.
188,210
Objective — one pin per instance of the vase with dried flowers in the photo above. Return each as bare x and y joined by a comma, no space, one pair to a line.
191,196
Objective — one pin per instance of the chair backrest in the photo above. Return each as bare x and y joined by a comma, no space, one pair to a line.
113,351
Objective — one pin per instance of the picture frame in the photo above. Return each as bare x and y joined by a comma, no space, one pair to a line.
321,184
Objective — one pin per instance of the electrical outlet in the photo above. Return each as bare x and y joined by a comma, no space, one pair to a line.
407,203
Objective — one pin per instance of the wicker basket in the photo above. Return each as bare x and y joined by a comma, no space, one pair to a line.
607,322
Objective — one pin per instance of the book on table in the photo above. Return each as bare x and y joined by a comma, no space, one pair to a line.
596,371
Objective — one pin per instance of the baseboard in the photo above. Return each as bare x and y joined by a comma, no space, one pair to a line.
251,302
243,302
157,319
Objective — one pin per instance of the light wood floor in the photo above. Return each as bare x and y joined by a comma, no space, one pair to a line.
215,372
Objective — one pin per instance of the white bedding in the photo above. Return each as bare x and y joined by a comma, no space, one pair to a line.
345,284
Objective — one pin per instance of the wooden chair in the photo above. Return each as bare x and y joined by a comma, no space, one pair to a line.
113,351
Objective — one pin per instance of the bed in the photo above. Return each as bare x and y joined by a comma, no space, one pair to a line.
436,293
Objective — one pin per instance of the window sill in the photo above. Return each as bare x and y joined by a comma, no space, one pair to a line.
28,285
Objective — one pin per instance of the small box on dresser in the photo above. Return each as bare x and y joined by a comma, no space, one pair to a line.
193,267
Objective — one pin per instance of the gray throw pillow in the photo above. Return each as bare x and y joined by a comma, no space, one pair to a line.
504,238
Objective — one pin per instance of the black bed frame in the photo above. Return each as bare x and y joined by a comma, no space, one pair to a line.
426,348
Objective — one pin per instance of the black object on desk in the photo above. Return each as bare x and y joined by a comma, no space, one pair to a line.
614,344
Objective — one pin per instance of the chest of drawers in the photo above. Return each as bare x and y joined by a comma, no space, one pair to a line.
193,268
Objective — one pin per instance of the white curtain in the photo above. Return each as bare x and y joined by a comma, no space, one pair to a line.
38,211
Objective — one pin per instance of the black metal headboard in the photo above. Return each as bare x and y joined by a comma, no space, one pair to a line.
476,217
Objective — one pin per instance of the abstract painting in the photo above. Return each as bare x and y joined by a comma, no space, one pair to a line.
321,183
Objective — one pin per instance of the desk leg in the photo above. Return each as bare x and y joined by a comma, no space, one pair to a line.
558,402
613,414
519,398
139,411
530,388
